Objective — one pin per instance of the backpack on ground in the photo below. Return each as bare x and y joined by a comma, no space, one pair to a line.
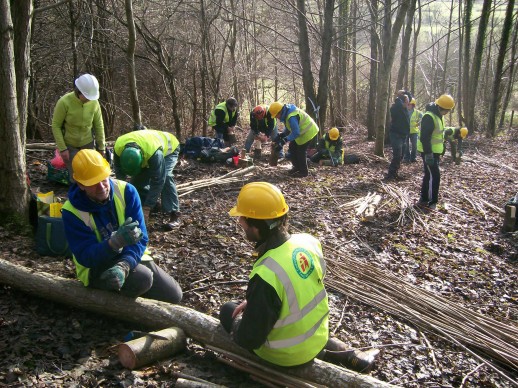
195,145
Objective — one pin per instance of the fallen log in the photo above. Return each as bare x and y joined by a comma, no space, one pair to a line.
152,347
160,315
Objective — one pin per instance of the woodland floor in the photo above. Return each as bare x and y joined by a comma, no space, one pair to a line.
462,256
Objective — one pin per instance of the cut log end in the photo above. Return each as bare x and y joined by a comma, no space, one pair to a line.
152,347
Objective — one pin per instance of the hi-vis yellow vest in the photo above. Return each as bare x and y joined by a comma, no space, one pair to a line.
149,141
415,119
437,139
222,106
296,270
83,273
308,127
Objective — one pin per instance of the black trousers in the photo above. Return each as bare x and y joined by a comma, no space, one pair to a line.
298,157
431,181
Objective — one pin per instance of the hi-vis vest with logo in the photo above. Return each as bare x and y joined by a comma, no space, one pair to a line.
149,141
296,270
437,139
308,127
83,273
222,106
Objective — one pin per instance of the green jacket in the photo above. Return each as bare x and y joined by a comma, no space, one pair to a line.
73,123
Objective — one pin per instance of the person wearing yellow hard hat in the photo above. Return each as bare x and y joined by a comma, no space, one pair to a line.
410,146
284,318
77,122
454,137
330,149
106,232
431,146
299,130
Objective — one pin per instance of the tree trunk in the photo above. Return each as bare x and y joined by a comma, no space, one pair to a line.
447,51
373,73
14,197
468,9
512,76
414,48
22,22
308,80
476,63
405,48
506,33
159,315
354,65
132,78
325,62
390,34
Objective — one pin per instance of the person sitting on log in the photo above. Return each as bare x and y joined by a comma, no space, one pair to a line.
329,152
284,318
105,228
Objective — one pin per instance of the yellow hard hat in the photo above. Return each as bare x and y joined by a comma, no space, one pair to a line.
445,102
334,133
261,201
464,132
275,108
90,167
412,101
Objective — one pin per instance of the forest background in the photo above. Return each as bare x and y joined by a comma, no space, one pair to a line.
167,63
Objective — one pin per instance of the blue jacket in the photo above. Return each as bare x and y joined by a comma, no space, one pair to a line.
83,241
294,122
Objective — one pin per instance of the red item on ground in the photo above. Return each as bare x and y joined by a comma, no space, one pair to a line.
57,161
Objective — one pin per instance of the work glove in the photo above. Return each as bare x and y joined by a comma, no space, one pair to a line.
128,234
115,276
281,140
429,159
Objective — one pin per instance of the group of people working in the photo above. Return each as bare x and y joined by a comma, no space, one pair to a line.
300,132
412,131
284,317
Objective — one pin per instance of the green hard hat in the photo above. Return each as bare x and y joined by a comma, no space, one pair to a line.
131,161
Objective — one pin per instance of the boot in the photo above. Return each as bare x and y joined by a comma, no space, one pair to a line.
173,221
257,153
361,361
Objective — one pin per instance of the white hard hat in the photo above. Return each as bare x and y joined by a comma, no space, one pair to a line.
88,86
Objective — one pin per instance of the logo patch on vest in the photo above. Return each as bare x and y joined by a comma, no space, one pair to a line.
303,262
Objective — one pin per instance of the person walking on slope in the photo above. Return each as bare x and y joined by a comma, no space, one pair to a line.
106,232
149,158
431,146
299,130
223,119
284,318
